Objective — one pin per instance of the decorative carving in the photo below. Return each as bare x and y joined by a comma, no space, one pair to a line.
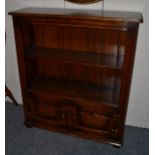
116,117
115,129
83,1
70,114
114,132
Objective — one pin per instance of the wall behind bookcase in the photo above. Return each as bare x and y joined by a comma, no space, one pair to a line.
139,96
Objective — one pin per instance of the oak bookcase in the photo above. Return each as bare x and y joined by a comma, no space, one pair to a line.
75,69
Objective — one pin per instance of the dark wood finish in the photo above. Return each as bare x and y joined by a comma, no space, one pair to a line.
89,16
75,57
77,90
76,69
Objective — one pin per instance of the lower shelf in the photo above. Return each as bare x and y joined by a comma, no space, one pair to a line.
74,89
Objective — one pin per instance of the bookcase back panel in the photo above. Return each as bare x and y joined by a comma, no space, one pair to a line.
74,38
74,72
93,40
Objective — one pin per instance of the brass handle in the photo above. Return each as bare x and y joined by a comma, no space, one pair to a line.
63,115
74,117
95,114
81,113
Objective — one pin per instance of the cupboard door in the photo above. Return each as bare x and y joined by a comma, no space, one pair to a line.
71,114
96,119
46,109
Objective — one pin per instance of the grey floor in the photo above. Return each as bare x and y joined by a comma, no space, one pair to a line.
24,141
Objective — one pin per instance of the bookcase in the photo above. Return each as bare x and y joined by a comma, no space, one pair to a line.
75,70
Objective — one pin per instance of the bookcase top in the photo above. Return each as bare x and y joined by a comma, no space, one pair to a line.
77,13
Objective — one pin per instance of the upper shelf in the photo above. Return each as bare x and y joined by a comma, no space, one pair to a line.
117,16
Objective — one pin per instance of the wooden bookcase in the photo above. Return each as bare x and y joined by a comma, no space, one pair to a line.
75,69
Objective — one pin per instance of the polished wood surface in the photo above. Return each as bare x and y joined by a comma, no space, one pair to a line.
75,90
75,70
74,57
81,14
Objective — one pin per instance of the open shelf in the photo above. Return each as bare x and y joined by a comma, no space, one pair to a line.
74,89
68,56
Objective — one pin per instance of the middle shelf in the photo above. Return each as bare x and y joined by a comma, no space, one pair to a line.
78,57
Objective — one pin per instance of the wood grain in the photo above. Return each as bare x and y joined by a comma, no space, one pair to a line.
76,69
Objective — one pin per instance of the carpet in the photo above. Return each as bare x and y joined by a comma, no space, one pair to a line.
20,140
